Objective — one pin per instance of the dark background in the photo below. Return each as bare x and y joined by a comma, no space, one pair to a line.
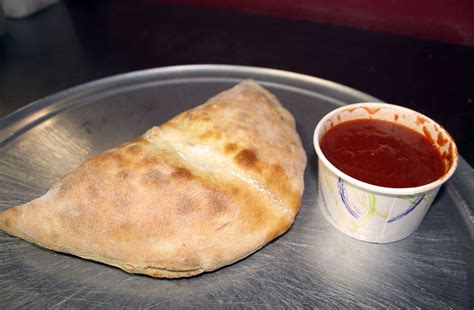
438,20
78,41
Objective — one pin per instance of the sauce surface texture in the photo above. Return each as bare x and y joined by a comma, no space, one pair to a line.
382,153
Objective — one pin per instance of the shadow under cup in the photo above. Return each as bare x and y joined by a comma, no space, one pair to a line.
375,213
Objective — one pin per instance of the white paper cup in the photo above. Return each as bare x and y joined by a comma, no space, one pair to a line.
375,213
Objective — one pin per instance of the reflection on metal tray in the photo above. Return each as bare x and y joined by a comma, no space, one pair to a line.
311,265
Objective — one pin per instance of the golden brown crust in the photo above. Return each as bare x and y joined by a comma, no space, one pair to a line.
204,190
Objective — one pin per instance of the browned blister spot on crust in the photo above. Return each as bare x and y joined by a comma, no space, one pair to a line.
76,216
214,133
92,190
254,96
54,236
124,227
278,180
235,190
200,116
246,158
66,186
149,161
134,149
395,117
107,159
185,205
207,135
100,160
217,204
182,173
172,124
278,170
154,177
275,176
142,140
15,212
188,115
230,148
118,159
124,174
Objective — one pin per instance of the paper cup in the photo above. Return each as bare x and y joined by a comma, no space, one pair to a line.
374,213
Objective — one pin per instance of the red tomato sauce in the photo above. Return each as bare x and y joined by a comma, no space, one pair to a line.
382,153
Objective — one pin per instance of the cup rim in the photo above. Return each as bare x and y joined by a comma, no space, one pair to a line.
405,191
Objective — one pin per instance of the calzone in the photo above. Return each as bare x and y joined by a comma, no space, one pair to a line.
204,190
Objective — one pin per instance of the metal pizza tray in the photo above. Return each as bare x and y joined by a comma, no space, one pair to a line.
312,265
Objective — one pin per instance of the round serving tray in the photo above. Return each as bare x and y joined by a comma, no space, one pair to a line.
311,265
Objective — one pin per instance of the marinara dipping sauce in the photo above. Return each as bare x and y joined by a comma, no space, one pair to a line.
382,153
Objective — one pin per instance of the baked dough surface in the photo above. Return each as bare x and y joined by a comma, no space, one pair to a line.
204,190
